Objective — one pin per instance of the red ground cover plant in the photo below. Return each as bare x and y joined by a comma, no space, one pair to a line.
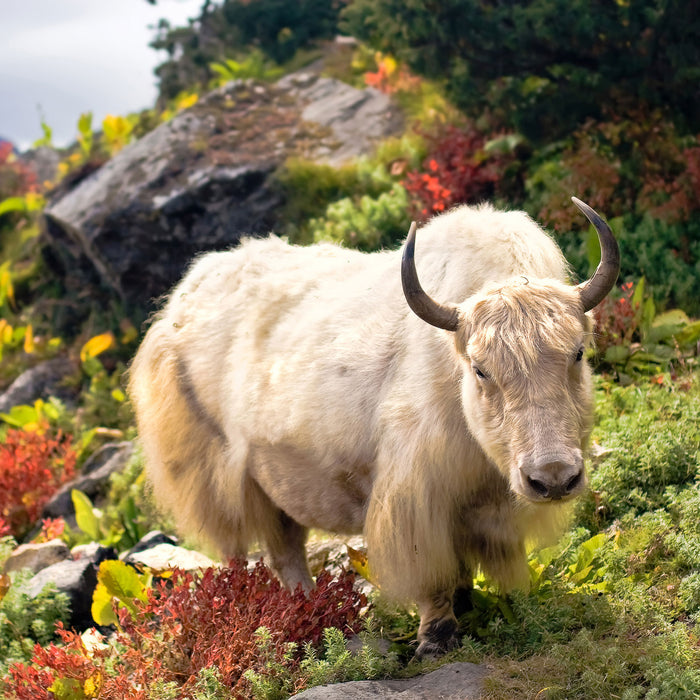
457,171
33,466
191,622
616,320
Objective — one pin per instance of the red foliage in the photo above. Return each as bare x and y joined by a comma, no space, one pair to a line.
457,170
616,320
194,621
69,662
51,529
32,467
16,178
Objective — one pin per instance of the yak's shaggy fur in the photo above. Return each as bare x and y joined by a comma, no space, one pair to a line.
283,388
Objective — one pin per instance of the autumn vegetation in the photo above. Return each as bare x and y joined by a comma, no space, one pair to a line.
522,104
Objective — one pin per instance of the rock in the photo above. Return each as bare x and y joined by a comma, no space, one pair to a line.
94,480
332,553
162,557
357,119
77,579
40,382
149,540
200,182
457,681
43,161
36,557
94,552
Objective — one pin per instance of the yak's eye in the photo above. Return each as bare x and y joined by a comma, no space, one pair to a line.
579,355
479,373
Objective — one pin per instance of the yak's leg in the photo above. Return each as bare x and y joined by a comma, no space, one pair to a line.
286,546
438,625
462,599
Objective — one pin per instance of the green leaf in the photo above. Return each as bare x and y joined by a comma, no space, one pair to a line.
666,325
12,204
617,354
115,579
20,416
688,335
85,515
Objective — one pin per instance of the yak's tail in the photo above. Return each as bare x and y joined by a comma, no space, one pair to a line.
188,461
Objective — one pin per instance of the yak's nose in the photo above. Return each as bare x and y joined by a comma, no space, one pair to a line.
553,478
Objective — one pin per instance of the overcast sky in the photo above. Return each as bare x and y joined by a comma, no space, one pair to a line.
59,58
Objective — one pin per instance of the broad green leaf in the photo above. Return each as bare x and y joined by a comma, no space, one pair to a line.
617,354
666,325
12,204
85,516
581,575
688,335
20,416
115,579
638,294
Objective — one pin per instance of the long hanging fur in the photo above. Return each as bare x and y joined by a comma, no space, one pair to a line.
296,381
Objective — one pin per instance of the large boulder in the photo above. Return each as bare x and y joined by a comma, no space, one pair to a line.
201,181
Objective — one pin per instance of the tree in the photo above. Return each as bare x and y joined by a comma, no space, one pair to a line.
545,65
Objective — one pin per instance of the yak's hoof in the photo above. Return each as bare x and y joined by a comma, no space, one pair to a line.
429,649
439,638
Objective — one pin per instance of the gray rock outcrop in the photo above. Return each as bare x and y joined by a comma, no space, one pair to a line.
201,181
40,382
93,481
458,681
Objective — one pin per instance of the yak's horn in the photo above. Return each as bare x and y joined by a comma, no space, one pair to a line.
443,316
594,290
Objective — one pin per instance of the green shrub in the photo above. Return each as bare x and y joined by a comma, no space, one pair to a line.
652,438
367,224
26,621
544,65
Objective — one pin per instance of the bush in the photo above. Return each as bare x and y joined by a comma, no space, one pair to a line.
462,167
544,66
192,623
26,621
32,467
652,442
368,224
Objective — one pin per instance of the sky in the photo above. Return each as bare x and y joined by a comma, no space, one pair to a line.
59,58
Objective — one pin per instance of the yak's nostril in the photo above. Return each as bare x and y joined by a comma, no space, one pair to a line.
573,482
538,487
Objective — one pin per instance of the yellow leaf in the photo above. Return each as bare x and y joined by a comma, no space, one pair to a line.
29,339
390,65
97,345
359,562
5,584
93,685
187,101
7,289
118,395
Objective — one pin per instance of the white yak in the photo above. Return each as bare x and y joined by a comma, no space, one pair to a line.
283,388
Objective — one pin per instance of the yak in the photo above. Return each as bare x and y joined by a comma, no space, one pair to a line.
438,401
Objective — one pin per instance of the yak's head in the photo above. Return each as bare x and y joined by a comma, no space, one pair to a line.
526,388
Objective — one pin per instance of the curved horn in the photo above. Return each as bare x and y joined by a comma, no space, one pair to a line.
442,316
594,290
